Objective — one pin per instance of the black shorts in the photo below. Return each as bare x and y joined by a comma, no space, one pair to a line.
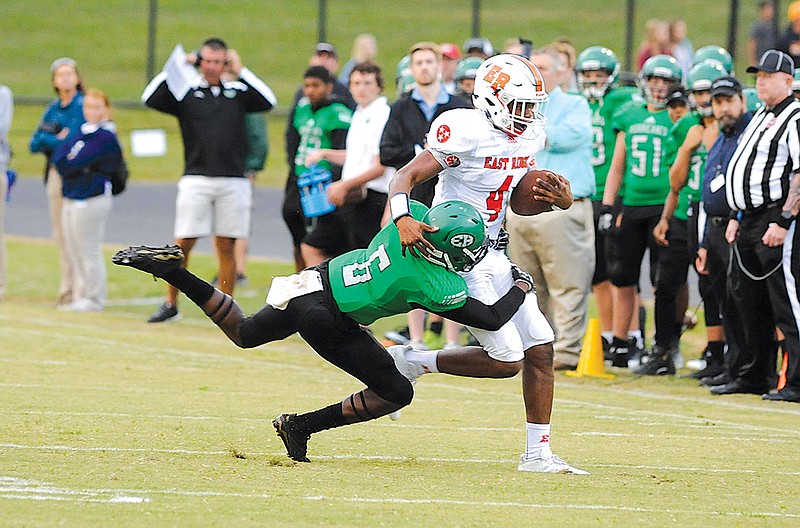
364,218
628,243
329,233
601,243
292,212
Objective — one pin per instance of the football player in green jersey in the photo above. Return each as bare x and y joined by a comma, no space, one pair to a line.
597,68
643,129
328,303
688,145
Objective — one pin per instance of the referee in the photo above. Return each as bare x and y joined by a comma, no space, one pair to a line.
763,185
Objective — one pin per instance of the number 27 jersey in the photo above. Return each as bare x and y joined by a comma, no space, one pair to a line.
482,164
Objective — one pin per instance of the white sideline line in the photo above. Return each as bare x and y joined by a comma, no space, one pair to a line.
382,458
28,490
769,439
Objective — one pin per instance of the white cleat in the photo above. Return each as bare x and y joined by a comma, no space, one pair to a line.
407,369
549,464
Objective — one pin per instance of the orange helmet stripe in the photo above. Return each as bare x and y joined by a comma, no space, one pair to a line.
535,72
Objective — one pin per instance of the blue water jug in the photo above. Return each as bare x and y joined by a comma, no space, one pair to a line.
313,192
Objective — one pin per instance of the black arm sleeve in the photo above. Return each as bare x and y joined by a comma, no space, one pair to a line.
478,315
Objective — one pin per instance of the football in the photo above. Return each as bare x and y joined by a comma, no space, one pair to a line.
522,201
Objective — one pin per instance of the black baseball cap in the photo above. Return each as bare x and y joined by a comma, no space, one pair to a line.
728,85
774,61
677,96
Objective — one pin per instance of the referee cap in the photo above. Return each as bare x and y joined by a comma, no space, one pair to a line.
774,61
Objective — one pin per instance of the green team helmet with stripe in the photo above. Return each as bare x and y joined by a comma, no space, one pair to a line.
596,58
715,53
699,79
752,100
658,66
461,241
796,81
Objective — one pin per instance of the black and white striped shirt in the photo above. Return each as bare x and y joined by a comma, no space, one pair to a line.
768,153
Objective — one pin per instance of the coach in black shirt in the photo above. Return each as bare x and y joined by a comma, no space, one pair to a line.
763,184
214,196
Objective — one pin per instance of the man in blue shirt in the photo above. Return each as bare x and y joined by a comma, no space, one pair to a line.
558,251
729,108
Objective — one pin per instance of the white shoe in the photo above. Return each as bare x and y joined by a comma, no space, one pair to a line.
407,369
549,464
81,305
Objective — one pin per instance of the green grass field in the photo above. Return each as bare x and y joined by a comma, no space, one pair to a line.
275,39
109,421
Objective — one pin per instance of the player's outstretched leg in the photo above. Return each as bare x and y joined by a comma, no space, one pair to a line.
156,260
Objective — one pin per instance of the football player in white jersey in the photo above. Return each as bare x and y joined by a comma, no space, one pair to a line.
480,155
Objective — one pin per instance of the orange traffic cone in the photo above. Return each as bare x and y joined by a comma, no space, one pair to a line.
590,362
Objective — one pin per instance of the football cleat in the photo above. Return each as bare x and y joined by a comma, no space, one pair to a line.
294,439
166,313
406,368
548,464
156,260
660,363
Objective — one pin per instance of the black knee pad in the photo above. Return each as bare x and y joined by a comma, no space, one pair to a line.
398,390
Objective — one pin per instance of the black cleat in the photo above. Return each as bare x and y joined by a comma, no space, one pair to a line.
296,441
156,260
659,364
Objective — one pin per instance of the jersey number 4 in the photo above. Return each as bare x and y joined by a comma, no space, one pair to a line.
494,202
360,271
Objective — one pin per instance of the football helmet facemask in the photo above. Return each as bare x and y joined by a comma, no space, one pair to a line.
461,241
510,91
596,58
661,67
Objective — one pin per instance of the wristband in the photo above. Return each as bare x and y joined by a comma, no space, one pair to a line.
400,206
785,219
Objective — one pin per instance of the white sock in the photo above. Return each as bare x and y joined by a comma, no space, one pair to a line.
637,335
424,358
538,440
608,335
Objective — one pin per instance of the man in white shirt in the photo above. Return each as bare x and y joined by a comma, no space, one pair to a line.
362,191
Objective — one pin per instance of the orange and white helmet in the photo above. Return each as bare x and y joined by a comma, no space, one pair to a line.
510,90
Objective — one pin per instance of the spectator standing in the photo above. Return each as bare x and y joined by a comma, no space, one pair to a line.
568,56
557,248
404,137
643,128
681,46
362,191
321,122
789,41
6,116
214,195
478,47
324,55
730,112
365,49
763,182
63,115
762,34
656,42
450,57
597,68
85,159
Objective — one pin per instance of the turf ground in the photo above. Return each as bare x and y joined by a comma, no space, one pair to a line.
109,421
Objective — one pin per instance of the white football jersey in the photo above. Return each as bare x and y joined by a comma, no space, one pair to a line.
482,164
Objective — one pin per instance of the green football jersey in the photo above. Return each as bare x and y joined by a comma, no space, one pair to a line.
697,164
604,137
379,281
315,129
646,178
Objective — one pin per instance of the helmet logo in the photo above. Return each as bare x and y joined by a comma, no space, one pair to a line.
496,77
443,134
463,240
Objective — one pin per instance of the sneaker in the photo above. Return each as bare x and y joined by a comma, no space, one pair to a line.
659,363
156,260
166,313
607,356
712,368
548,464
296,441
406,368
636,354
241,280
399,336
619,356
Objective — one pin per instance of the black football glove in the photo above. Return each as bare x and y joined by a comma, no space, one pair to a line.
605,222
502,240
524,276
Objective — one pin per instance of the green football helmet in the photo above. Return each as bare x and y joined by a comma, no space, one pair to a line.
596,58
662,67
796,81
403,67
752,100
715,53
466,68
699,79
461,241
